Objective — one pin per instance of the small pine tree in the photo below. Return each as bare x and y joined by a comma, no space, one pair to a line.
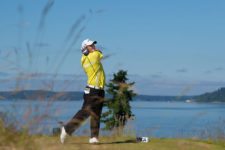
118,105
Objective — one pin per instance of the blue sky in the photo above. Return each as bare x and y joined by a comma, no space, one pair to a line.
168,47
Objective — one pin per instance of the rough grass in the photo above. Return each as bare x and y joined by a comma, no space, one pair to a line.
10,138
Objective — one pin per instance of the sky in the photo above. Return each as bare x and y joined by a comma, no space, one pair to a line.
168,47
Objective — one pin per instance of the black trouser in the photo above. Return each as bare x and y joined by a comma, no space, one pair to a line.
92,106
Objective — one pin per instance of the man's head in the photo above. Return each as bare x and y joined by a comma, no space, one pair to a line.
89,45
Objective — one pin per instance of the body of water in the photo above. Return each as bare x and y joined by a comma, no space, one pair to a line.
153,119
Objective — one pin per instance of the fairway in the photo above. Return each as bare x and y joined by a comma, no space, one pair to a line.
126,143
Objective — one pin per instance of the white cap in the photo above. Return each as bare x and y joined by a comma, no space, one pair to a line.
86,43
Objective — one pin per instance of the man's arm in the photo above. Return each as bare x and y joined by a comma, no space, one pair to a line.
99,54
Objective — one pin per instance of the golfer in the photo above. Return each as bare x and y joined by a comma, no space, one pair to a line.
93,93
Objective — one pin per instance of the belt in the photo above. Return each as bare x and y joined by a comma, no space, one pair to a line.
95,87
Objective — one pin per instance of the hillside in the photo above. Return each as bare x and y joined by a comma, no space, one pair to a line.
216,96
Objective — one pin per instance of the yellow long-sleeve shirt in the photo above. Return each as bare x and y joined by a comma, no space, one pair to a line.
93,68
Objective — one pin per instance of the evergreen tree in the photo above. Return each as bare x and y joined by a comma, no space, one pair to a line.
118,104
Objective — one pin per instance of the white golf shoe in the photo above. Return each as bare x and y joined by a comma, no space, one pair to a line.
93,140
63,135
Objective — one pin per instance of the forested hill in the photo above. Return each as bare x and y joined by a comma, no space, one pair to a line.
216,96
40,95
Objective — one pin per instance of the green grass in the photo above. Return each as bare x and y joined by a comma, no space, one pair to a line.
42,142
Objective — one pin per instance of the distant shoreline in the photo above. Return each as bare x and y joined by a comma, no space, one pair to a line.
75,96
214,97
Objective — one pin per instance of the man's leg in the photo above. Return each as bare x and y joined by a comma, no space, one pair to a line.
96,116
79,117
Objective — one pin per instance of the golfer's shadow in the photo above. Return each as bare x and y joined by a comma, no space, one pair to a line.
114,142
119,142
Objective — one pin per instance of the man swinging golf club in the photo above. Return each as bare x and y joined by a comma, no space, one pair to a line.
93,93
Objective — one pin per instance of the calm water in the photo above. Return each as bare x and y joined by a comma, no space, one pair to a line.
154,119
